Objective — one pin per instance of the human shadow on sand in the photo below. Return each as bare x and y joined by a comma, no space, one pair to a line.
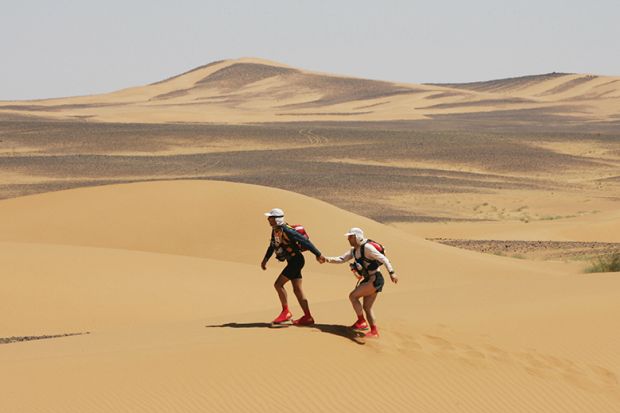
335,329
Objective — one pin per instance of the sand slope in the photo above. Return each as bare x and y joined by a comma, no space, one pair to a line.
600,227
256,90
165,277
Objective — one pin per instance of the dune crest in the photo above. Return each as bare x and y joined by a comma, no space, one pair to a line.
256,90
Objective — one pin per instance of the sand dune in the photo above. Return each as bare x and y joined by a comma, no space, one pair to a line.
256,90
207,219
165,277
601,227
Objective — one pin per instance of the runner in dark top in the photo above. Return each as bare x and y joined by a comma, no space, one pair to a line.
286,243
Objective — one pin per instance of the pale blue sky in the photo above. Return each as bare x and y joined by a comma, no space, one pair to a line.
66,48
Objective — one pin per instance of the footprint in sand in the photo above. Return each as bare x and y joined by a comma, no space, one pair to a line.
405,344
607,377
440,343
497,353
555,368
466,354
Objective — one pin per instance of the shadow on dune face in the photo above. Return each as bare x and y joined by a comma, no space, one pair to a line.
338,330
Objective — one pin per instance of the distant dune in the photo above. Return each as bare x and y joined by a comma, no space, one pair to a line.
255,90
164,277
505,84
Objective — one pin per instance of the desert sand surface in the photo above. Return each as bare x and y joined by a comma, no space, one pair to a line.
257,90
601,227
132,227
164,278
525,149
446,169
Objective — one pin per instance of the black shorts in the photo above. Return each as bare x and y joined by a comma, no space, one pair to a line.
379,281
294,264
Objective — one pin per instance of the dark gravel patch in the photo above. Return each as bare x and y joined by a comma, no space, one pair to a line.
547,249
8,340
82,153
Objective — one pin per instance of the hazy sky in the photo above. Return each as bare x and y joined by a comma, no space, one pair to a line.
66,48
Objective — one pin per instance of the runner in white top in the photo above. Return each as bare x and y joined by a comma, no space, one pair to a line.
367,260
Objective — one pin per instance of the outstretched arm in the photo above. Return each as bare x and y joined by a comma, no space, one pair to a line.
340,260
295,236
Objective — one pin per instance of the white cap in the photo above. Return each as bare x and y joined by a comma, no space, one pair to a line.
359,234
276,213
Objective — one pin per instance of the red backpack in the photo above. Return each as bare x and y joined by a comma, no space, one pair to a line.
300,229
378,247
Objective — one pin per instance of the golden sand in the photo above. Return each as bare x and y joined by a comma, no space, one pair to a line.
165,276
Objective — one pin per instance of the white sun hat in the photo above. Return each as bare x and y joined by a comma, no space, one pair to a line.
276,213
359,234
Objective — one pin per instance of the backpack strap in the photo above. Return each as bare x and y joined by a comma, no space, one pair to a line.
372,264
362,248
285,237
287,241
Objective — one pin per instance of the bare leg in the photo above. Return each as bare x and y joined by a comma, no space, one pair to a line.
360,291
299,293
369,300
279,286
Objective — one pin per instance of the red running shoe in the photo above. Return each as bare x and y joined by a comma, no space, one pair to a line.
360,325
373,333
305,320
283,317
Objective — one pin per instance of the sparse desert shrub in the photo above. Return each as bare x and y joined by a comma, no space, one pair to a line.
606,263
